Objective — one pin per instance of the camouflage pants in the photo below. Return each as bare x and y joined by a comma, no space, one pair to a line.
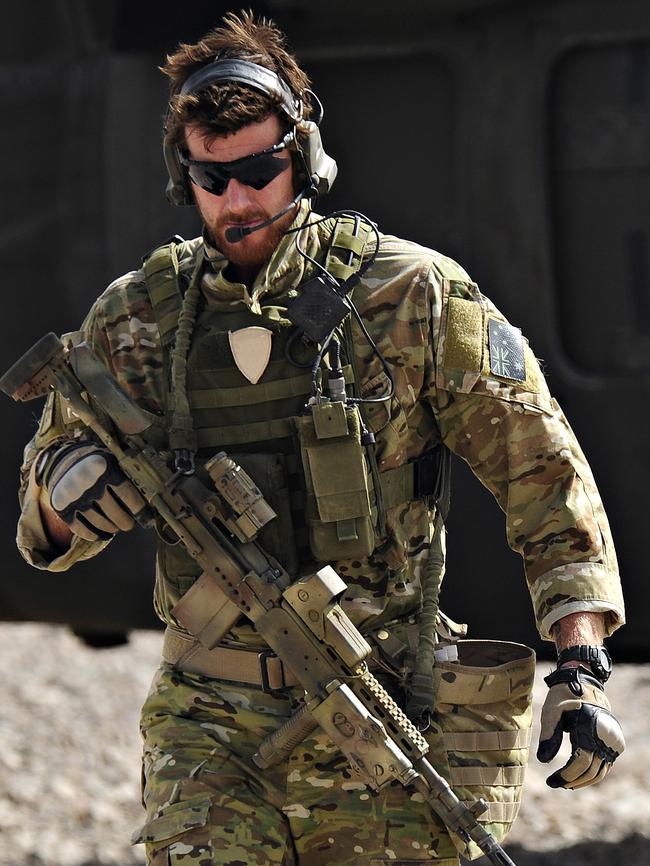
207,803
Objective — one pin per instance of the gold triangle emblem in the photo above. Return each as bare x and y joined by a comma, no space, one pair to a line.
251,349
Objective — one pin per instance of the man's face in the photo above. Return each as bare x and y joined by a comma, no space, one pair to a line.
241,205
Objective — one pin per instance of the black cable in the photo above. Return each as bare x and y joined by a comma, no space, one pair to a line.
354,279
288,351
315,387
346,287
335,358
309,258
381,357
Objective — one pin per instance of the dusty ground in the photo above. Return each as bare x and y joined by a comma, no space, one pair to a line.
69,762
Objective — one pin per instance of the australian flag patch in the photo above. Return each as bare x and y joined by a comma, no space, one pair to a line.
506,345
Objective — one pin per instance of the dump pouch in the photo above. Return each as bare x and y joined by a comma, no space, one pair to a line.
336,475
482,720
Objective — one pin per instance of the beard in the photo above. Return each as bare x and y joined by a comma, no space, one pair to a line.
253,250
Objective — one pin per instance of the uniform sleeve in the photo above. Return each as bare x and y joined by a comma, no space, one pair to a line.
57,424
494,411
109,328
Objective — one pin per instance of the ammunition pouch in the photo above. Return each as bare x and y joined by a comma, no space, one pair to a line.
338,487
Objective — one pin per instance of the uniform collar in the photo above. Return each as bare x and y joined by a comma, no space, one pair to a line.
284,271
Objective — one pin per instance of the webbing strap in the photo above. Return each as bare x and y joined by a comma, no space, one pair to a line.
414,480
486,741
397,485
497,813
252,667
161,276
510,776
259,431
249,395
349,240
168,324
477,688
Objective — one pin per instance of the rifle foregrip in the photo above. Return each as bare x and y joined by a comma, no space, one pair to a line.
279,745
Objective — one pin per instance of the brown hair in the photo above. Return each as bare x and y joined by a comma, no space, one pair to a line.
228,106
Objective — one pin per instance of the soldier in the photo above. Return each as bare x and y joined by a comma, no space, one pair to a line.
209,337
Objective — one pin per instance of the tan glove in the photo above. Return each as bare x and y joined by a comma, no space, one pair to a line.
88,490
576,704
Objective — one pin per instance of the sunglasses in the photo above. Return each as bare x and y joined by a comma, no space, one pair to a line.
256,170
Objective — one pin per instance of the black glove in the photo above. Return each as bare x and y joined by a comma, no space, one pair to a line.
576,704
88,490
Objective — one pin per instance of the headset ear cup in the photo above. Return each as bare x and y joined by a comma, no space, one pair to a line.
321,168
177,191
302,179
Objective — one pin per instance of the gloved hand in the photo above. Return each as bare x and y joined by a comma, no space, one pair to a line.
88,490
576,704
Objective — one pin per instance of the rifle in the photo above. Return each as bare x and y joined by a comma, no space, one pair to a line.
300,620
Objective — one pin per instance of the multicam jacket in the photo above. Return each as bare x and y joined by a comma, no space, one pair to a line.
462,375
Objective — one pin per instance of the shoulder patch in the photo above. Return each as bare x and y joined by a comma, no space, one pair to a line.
464,335
507,351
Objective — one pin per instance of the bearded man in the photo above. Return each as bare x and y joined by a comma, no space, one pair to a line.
232,341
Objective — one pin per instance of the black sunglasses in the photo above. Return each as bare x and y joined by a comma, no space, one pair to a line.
256,170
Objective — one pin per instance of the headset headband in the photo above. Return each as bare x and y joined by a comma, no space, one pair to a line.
244,72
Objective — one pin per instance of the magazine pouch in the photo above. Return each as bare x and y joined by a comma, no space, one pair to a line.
336,475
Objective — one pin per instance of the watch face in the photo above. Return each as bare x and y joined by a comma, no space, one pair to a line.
601,664
599,661
597,657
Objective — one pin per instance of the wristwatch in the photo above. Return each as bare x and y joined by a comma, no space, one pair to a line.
595,657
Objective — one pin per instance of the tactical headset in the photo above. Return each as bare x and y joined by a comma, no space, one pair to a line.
319,167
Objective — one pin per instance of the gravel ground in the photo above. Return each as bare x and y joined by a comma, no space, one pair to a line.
69,762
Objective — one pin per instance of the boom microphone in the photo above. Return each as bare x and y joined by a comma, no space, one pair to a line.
235,234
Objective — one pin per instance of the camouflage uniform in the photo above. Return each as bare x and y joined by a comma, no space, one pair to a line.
436,330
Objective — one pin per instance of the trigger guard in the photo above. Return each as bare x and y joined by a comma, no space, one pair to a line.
164,531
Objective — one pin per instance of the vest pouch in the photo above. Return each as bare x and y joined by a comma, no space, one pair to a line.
482,720
336,476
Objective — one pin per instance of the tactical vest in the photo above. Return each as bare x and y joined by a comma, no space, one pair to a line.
264,427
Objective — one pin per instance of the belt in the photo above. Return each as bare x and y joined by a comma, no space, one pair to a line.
262,669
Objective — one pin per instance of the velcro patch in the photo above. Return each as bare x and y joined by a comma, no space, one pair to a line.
464,337
506,345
